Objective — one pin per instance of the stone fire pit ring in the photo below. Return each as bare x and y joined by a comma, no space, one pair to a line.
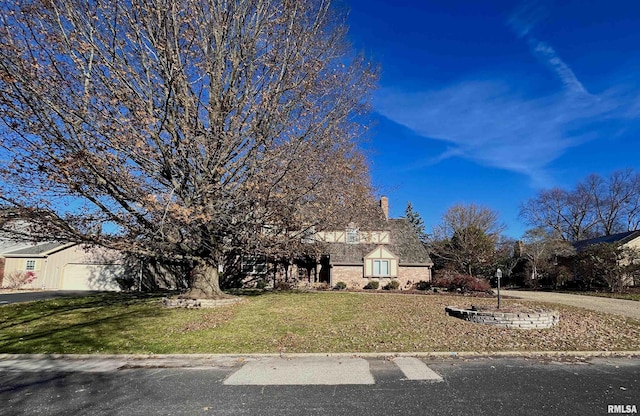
517,320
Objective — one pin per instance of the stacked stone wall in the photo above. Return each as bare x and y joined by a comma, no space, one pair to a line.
524,320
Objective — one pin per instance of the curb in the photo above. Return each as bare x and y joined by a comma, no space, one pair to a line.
386,355
103,363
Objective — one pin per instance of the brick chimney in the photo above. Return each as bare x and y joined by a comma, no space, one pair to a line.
384,204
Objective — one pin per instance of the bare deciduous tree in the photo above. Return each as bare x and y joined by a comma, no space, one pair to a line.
181,129
614,200
597,206
542,250
466,238
568,214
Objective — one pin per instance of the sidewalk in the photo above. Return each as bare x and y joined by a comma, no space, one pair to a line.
628,308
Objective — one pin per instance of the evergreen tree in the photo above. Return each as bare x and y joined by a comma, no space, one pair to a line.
416,222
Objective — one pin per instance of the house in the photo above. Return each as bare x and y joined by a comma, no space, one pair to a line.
9,242
67,266
630,239
627,239
385,249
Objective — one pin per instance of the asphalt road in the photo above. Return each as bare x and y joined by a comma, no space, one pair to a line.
15,297
505,386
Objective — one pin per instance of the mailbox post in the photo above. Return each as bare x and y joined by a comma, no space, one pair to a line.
498,276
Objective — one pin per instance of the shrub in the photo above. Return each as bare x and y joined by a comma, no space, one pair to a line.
392,285
261,284
462,282
340,286
126,283
284,285
18,279
373,284
422,285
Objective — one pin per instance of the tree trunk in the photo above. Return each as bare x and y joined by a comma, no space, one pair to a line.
206,282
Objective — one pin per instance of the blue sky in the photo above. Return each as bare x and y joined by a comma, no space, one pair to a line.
490,101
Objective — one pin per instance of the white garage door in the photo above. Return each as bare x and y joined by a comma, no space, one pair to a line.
91,276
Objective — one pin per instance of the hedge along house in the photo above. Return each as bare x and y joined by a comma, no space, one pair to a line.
387,250
67,266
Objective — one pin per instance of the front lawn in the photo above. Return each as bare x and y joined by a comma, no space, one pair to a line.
293,322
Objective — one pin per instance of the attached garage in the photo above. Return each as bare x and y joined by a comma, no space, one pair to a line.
67,266
91,276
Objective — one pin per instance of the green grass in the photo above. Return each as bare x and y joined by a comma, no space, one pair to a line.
292,322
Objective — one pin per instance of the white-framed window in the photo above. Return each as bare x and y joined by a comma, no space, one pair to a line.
381,268
353,236
30,265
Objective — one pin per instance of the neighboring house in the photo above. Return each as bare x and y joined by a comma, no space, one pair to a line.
9,243
66,266
628,239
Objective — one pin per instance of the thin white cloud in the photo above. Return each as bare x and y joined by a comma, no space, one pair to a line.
548,56
493,123
525,17
490,123
522,21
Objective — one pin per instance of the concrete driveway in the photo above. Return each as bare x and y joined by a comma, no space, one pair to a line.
628,308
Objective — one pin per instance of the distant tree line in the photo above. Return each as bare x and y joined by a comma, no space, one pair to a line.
469,241
596,206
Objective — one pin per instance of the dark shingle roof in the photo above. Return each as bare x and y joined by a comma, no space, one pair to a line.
404,243
620,238
36,250
343,253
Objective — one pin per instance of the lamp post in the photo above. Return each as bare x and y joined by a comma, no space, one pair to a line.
498,276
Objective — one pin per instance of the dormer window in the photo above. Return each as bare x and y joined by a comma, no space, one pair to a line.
353,236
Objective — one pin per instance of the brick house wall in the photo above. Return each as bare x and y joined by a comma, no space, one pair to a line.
413,274
353,276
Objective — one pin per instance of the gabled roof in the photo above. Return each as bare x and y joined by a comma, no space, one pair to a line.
39,250
375,221
7,246
404,243
620,238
